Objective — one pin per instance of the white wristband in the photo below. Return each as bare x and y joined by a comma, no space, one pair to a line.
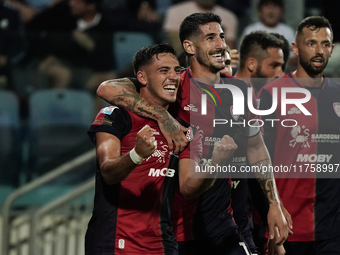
135,157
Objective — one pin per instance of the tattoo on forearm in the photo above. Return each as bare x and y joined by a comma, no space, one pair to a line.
131,100
265,179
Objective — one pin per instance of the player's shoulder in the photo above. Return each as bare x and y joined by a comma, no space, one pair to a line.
333,83
285,80
232,80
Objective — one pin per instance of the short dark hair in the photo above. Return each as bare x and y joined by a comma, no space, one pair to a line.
253,45
190,25
314,23
285,48
274,2
144,55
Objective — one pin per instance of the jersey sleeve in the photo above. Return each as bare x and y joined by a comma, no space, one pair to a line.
113,120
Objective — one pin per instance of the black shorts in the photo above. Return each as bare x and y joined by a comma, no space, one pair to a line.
324,247
234,245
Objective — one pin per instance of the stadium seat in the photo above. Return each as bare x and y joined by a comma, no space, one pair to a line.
126,44
58,124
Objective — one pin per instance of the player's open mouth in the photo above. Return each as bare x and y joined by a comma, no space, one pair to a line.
317,62
218,56
170,87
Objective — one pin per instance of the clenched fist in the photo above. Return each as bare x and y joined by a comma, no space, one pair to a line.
223,149
145,142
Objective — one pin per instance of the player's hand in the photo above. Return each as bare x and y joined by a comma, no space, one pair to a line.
145,142
272,248
288,218
277,219
223,149
173,132
234,56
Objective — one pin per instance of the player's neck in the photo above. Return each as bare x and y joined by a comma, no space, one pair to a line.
206,76
243,74
152,100
308,80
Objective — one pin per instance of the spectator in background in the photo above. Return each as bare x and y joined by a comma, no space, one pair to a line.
12,43
271,13
81,39
30,8
176,14
141,16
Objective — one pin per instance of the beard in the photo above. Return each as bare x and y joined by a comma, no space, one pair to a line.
258,80
310,69
205,61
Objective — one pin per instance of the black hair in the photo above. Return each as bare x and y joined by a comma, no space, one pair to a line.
253,45
190,25
285,48
274,2
144,55
314,23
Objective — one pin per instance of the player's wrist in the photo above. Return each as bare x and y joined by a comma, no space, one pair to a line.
135,157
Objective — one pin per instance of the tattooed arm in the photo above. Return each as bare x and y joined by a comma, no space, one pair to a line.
122,92
258,156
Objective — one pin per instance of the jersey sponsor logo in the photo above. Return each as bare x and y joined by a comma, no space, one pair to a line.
190,107
235,117
319,158
325,138
109,109
239,159
336,107
300,135
208,140
168,172
294,110
234,184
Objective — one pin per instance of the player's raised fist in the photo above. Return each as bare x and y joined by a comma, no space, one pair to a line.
145,142
223,149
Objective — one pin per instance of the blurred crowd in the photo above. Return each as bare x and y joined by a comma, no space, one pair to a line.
70,43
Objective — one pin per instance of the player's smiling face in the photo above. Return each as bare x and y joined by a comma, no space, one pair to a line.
163,78
314,48
210,47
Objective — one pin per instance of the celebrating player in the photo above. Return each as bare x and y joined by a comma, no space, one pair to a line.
311,197
135,177
206,225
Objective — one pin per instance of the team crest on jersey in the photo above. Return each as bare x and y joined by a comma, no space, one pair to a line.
300,135
235,117
336,107
190,134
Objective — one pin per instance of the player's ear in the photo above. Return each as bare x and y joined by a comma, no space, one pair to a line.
295,49
141,77
189,47
251,64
